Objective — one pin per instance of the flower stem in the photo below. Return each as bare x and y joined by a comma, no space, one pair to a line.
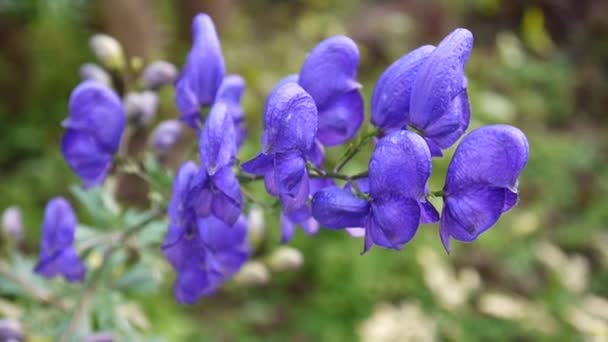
355,148
315,172
88,293
36,292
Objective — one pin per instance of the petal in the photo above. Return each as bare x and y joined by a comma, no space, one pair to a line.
182,185
227,202
190,285
85,157
58,226
292,202
288,170
290,120
340,118
444,132
288,228
394,221
511,199
440,79
356,232
97,111
203,72
337,208
227,246
316,154
287,79
330,69
231,92
303,217
400,164
260,165
391,97
217,145
466,215
65,263
428,213
488,156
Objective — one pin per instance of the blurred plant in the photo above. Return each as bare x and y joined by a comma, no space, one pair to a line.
420,107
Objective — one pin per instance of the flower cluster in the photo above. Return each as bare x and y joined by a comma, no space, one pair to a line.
419,107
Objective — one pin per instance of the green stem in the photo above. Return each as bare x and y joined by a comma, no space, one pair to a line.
315,172
88,293
353,150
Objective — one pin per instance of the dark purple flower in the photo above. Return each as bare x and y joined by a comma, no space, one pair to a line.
204,252
439,104
391,97
290,126
481,182
57,253
93,131
398,172
230,94
329,75
203,73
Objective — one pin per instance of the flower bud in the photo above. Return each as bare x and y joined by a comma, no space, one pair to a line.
12,224
108,51
253,273
285,258
257,227
140,108
11,331
99,337
158,74
165,136
93,72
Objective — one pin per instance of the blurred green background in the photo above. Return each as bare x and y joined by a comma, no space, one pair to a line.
541,65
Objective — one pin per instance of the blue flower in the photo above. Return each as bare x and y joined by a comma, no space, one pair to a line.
290,126
216,190
329,75
481,182
427,91
204,252
57,253
93,131
398,172
230,93
201,77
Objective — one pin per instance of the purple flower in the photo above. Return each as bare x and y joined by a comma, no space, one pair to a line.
203,73
230,94
205,252
158,74
427,91
93,131
329,75
290,126
141,108
165,136
481,182
57,254
398,172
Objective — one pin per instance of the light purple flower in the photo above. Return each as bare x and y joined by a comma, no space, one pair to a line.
141,108
57,253
481,182
203,73
165,136
158,74
93,131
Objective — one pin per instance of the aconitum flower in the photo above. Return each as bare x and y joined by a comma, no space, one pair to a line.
57,253
141,108
205,252
329,75
12,224
230,93
217,188
426,90
203,73
93,72
481,182
158,74
398,172
165,136
93,131
290,126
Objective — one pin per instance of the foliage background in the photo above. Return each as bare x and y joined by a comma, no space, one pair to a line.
540,274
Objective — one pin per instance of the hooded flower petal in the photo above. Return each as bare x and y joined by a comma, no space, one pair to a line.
330,69
290,120
393,223
230,93
391,98
57,254
481,182
85,157
227,199
340,119
289,171
182,186
400,163
439,82
337,208
97,111
203,73
217,145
